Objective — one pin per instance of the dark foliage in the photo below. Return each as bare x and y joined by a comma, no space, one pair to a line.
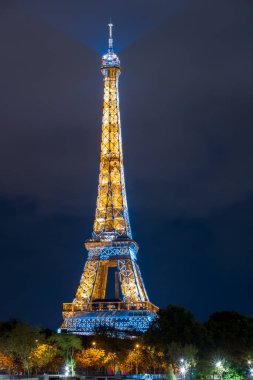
175,334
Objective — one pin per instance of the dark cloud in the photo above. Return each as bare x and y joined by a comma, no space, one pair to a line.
186,104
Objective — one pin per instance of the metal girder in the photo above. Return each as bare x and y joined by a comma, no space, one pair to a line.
111,219
94,279
126,321
87,282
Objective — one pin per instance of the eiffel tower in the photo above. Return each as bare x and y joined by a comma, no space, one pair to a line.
111,245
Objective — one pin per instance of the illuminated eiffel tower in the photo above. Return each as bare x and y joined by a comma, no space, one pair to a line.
111,245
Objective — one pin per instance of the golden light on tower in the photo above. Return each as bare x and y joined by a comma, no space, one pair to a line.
111,245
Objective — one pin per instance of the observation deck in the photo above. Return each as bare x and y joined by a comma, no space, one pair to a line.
77,308
110,60
125,317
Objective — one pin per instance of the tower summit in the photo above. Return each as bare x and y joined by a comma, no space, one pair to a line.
111,245
111,221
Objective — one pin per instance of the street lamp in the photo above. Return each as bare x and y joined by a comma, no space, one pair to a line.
114,363
183,371
219,367
136,359
66,370
94,344
218,364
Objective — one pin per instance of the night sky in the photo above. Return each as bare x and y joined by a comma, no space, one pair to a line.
186,94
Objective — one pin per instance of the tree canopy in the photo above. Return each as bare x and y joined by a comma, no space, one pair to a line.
175,342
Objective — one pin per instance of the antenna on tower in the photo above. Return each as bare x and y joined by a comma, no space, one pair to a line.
110,35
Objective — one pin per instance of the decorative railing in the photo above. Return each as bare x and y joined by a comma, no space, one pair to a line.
76,308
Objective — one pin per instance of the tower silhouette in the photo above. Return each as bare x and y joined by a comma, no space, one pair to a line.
111,245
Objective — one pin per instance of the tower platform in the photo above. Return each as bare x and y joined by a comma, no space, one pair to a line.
124,317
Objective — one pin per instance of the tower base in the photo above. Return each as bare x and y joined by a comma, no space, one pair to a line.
124,318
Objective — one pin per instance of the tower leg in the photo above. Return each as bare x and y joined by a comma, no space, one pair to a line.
87,282
101,281
129,285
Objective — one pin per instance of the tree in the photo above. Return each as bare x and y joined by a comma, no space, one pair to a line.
174,324
18,341
143,359
133,361
42,355
154,359
205,369
235,373
110,343
6,363
179,355
170,374
232,334
95,358
90,357
67,345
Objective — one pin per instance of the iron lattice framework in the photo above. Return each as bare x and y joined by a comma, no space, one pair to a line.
111,219
111,244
